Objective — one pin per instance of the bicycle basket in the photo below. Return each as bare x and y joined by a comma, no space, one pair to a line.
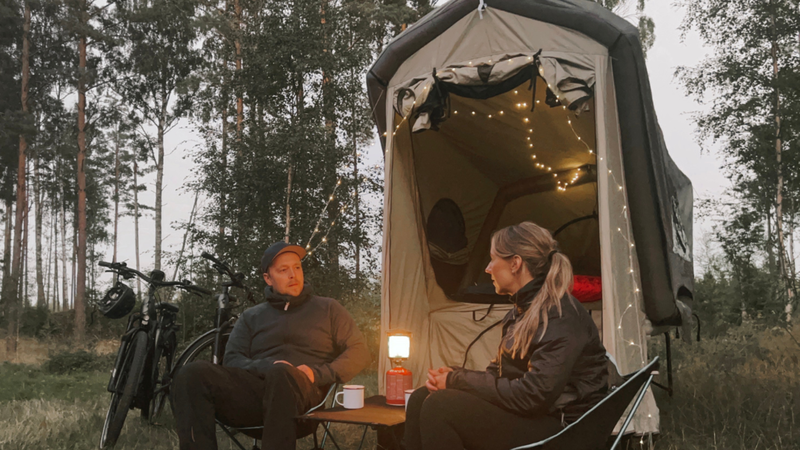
118,301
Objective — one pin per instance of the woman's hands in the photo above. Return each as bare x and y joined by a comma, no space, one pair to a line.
437,378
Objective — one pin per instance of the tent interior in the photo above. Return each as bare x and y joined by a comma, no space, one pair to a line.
547,175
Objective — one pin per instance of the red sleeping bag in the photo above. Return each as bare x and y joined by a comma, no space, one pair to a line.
587,288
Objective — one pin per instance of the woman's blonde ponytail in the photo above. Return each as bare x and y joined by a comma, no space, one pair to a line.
539,251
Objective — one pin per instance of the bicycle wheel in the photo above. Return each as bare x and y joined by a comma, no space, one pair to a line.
200,350
130,375
164,355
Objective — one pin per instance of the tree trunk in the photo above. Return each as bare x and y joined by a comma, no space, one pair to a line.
238,45
24,277
188,230
39,207
80,280
56,303
12,294
329,114
223,176
136,221
74,291
356,205
288,210
789,283
116,193
49,261
770,252
64,281
160,177
7,243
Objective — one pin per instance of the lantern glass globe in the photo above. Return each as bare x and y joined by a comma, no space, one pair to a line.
399,346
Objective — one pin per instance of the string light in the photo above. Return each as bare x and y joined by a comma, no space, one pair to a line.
319,220
571,179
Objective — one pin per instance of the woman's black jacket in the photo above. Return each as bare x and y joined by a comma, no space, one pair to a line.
564,372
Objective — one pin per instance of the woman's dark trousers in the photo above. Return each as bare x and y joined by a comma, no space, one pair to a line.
450,419
203,391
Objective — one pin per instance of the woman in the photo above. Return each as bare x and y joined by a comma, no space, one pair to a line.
549,370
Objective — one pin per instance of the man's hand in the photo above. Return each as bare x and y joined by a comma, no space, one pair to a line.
283,362
307,370
437,379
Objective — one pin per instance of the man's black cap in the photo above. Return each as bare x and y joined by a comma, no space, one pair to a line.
276,249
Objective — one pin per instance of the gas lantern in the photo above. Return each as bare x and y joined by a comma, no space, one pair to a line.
398,378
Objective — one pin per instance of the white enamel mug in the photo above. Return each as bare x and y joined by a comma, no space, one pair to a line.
352,396
408,393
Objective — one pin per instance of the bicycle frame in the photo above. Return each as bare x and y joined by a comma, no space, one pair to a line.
224,318
143,318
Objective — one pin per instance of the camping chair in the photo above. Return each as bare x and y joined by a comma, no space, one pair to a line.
592,430
255,432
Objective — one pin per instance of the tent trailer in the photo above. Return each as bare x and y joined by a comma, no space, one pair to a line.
499,111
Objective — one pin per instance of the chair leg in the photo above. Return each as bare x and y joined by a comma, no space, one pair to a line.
325,434
668,387
628,419
255,445
363,436
230,435
328,433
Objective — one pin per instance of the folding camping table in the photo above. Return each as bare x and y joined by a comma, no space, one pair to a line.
388,420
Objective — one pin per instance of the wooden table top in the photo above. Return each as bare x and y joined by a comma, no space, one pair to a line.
375,413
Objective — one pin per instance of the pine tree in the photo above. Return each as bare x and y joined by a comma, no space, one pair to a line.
158,57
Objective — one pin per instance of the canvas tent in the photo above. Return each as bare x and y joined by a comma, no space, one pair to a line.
499,111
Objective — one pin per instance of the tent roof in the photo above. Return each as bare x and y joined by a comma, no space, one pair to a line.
659,194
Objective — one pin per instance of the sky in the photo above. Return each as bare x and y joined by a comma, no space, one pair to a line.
673,107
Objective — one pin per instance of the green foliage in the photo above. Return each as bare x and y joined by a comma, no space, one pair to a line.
739,390
33,320
66,362
304,113
750,82
633,10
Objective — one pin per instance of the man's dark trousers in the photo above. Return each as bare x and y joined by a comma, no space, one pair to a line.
237,397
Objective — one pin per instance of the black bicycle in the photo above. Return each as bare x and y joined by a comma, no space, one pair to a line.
210,346
140,378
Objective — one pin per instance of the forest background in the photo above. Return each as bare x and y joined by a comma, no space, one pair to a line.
273,93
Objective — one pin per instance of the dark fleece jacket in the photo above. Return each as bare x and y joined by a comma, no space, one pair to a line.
307,329
563,372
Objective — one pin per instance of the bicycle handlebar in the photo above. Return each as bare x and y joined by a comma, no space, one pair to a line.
237,279
194,288
123,269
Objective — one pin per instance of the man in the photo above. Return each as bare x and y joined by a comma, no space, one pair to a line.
280,360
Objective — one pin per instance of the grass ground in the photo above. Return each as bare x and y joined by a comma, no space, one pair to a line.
738,391
39,410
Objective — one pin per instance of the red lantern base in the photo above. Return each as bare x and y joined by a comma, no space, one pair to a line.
398,380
